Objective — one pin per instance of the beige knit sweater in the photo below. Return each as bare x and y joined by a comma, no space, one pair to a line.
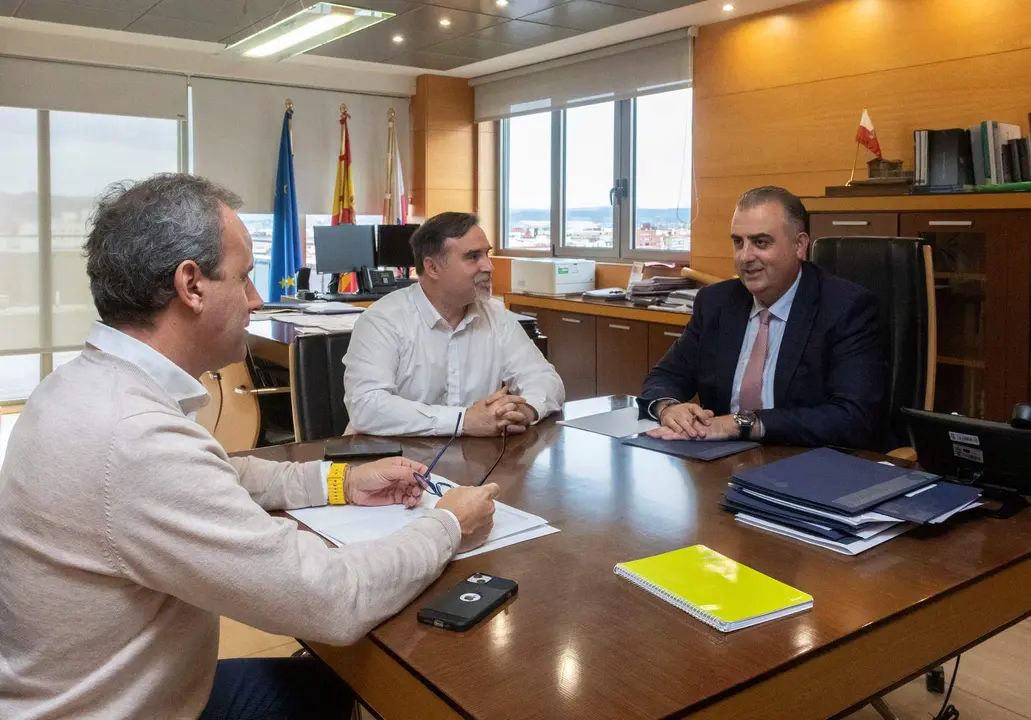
125,532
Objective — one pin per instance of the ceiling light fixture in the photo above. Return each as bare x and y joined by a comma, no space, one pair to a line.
501,3
728,8
306,30
444,22
398,39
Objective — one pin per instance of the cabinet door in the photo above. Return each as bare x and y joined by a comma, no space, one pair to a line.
571,349
982,280
661,339
853,225
622,356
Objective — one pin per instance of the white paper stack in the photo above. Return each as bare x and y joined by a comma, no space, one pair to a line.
352,523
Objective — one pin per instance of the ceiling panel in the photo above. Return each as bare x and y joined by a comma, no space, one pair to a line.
133,6
524,34
54,11
510,9
7,7
585,15
174,27
473,48
227,13
427,18
652,6
430,61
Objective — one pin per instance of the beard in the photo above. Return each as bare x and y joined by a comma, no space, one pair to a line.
482,283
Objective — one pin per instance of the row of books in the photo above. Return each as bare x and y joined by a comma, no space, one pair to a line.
840,502
989,153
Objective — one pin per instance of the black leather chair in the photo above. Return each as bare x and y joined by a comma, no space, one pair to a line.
900,272
317,374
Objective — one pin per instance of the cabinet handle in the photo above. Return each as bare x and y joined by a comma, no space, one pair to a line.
671,334
619,327
850,223
571,320
950,223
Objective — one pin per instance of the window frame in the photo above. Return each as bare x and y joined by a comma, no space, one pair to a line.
624,210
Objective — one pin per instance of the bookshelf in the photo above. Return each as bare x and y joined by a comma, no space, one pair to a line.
981,245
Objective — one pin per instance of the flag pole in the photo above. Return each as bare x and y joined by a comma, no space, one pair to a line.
854,161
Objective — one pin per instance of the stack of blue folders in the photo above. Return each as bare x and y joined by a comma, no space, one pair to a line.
841,502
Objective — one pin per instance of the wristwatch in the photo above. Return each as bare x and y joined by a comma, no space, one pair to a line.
746,421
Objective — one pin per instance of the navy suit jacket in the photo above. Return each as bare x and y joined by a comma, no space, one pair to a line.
831,377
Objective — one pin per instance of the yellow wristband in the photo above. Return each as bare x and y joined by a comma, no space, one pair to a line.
335,481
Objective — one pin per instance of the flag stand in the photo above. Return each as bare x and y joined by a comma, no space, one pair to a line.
854,161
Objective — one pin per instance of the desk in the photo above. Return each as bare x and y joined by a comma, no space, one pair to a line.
579,642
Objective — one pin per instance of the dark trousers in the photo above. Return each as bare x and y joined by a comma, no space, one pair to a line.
292,688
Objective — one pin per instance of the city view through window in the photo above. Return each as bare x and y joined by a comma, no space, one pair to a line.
661,187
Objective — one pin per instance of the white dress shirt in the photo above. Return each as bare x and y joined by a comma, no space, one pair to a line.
779,312
409,373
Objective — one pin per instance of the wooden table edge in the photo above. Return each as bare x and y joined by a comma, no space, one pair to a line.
832,681
597,309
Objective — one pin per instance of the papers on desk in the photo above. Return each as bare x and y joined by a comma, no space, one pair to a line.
351,523
615,423
841,502
332,308
316,323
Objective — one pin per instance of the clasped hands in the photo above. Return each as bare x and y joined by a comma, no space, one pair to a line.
498,413
392,481
688,421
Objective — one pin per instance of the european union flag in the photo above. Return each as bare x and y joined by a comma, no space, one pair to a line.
286,231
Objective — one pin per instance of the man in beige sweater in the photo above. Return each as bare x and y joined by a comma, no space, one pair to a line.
127,530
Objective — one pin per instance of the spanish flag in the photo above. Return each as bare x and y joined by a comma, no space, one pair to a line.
343,193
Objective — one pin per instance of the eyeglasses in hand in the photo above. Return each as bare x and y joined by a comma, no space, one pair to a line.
442,486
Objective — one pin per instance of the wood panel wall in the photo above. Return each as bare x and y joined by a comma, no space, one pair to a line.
778,96
444,141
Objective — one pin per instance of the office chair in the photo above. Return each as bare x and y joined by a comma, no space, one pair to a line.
241,414
317,385
900,272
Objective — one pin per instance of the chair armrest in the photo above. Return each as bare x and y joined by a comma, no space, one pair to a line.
904,453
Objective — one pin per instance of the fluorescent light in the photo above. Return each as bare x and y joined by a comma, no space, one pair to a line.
298,35
307,29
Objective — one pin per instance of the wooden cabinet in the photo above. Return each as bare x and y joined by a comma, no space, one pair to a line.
982,282
853,225
981,246
661,339
572,339
622,356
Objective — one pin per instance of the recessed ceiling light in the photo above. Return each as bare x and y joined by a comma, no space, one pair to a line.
728,8
398,39
501,3
444,22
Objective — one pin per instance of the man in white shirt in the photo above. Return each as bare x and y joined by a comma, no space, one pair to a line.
127,530
443,348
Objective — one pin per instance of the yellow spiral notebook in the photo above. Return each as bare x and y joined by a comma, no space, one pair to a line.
713,588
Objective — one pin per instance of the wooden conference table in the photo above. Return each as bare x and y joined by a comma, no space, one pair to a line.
579,642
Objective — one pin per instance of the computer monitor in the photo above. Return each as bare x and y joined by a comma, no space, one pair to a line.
344,248
982,452
393,245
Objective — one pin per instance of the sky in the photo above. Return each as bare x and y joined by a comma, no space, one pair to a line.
663,137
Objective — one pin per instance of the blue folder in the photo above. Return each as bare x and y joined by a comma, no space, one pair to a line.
692,449
929,504
831,480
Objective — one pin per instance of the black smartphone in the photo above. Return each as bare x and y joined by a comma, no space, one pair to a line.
347,448
468,602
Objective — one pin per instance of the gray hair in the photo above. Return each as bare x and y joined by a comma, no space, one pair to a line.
795,214
429,239
141,232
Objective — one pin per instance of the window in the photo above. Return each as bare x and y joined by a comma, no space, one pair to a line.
662,172
589,168
259,225
527,169
623,175
45,304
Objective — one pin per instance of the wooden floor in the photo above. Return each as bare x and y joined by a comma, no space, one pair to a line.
994,680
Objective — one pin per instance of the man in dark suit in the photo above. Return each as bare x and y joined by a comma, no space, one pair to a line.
787,354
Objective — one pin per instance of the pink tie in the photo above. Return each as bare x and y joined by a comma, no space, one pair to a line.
752,382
